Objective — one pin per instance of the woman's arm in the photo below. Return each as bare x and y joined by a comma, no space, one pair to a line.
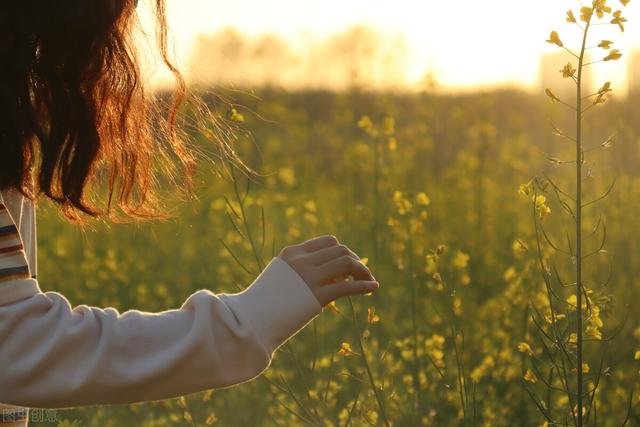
56,356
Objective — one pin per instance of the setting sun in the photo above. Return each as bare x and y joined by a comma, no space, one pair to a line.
462,45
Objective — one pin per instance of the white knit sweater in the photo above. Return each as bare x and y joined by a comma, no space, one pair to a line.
53,355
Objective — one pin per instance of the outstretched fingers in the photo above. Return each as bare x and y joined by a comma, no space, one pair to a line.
342,267
327,254
331,269
318,243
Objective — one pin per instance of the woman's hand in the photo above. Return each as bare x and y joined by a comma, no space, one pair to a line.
324,263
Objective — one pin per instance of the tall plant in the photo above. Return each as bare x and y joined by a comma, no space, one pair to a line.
571,316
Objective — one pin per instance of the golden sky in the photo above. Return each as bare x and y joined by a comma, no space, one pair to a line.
466,43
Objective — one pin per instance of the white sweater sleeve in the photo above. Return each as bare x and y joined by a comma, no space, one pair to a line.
56,356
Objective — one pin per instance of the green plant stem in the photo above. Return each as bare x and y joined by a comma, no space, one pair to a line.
363,354
461,379
261,266
578,212
240,200
376,200
414,326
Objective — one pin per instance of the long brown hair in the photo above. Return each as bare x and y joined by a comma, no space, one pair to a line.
73,108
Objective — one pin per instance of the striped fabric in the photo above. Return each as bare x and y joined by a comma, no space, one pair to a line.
14,265
13,259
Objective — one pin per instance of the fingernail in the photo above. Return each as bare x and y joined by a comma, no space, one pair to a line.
373,286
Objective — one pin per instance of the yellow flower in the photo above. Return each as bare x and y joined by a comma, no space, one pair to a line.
392,144
637,355
605,44
234,115
551,95
585,368
310,218
554,38
310,205
595,319
461,260
605,88
510,274
524,347
594,332
586,13
530,376
332,306
624,2
182,402
544,211
293,232
435,340
601,7
415,226
372,317
614,55
519,245
525,189
568,71
618,19
573,339
364,260
549,319
573,302
403,205
218,204
570,16
287,175
575,410
372,417
422,199
345,349
541,206
366,125
389,125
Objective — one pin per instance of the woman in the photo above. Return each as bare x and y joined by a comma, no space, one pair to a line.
73,111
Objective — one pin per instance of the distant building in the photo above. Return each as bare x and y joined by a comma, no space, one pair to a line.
551,66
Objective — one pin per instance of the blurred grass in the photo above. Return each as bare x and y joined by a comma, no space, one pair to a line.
469,154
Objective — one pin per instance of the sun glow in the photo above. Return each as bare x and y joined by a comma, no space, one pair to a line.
463,44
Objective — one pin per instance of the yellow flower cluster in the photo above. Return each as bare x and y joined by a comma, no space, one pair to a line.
530,376
594,323
345,349
387,129
539,200
480,371
524,347
403,205
434,346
